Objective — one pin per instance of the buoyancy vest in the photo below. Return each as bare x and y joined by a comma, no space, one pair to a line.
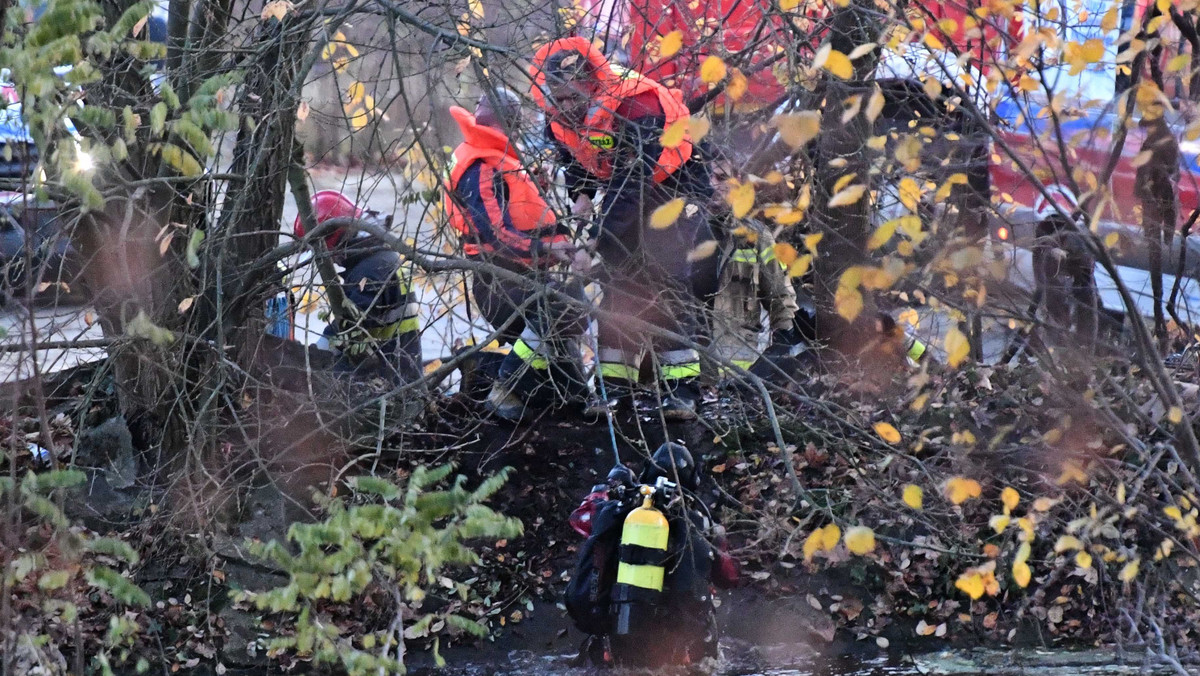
526,211
592,143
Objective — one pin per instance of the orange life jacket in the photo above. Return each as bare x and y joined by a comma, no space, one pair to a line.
591,144
524,218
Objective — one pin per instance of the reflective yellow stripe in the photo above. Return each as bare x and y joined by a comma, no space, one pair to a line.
916,350
392,330
527,355
405,285
646,577
680,371
617,370
754,256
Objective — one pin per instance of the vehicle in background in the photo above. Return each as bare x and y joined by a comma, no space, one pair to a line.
52,268
1082,137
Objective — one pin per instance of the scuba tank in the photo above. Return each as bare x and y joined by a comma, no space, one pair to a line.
641,559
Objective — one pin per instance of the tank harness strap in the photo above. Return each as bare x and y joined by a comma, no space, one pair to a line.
638,555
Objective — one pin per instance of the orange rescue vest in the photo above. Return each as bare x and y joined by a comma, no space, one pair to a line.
527,211
592,143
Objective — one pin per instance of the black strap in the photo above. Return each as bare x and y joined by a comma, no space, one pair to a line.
638,555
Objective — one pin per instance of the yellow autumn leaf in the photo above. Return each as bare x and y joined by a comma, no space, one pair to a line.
1109,22
737,86
960,489
277,9
848,195
1067,543
786,253
913,496
874,105
788,5
1130,571
186,304
741,198
1043,504
811,241
1023,552
830,535
999,522
812,544
1175,415
797,129
887,432
883,234
703,250
848,302
675,132
1026,526
910,193
934,42
839,64
957,347
712,70
1112,239
671,44
799,267
698,128
359,120
355,92
1178,63
1010,497
1083,560
476,7
1021,574
971,584
666,215
860,540
1092,50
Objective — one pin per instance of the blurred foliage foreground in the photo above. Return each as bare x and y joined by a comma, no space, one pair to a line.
983,505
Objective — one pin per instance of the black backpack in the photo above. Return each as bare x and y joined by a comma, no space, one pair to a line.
589,593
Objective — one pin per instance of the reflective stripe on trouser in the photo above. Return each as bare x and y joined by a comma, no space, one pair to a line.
916,349
528,349
678,364
618,364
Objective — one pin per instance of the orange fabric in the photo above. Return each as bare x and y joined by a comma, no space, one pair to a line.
527,211
591,143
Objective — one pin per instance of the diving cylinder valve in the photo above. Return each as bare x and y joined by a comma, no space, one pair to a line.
641,561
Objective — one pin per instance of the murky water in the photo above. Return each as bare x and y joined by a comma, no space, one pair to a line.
784,661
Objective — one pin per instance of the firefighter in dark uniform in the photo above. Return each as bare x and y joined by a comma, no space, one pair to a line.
607,123
502,220
380,335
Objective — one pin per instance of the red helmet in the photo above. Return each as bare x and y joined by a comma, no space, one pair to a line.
328,204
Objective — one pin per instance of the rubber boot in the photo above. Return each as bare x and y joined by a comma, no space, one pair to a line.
514,389
680,402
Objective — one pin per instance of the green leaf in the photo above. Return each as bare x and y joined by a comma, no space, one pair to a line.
167,92
375,486
193,248
122,589
114,548
54,580
158,118
193,135
124,25
179,159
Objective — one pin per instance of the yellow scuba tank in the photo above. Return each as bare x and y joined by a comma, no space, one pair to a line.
641,561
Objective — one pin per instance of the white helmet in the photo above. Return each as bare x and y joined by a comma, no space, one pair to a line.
1061,198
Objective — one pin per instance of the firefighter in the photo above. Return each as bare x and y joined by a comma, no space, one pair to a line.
607,123
616,596
502,219
753,280
380,334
